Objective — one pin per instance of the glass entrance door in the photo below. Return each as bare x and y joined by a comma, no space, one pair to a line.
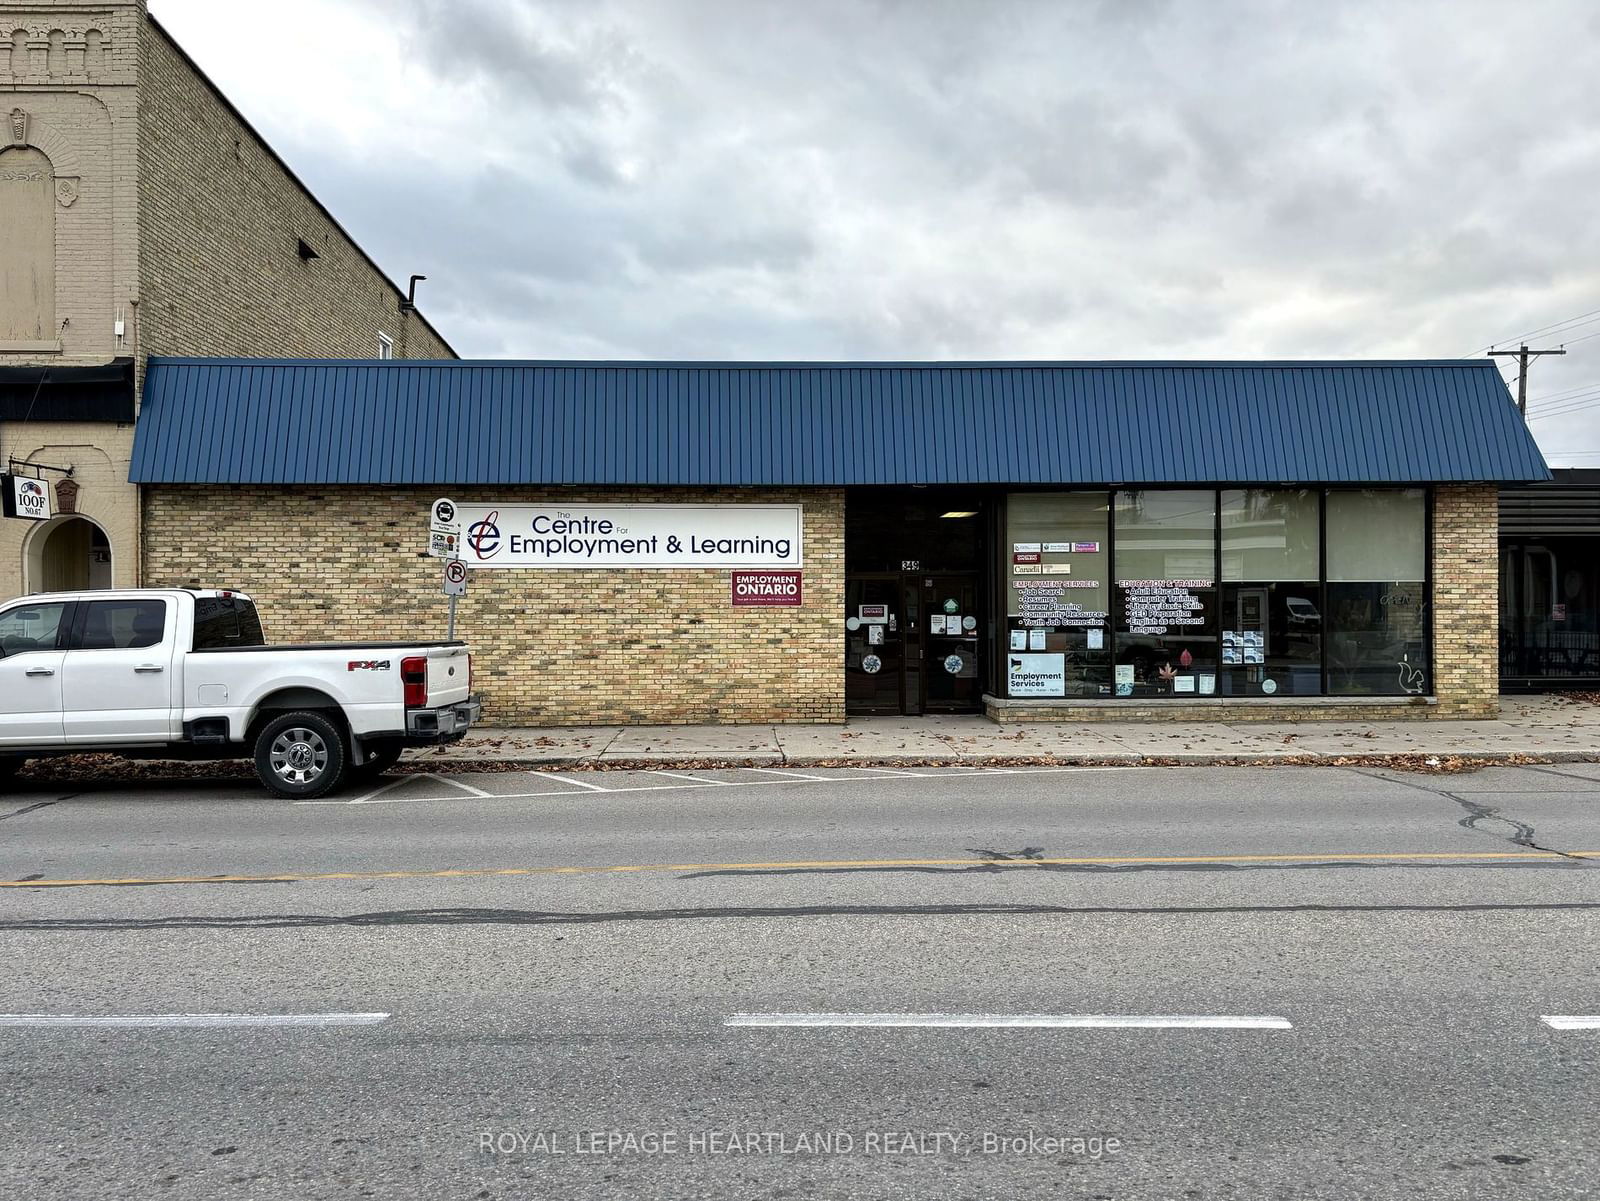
912,644
952,635
874,644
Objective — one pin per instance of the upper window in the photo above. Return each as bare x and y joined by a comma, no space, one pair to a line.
122,624
1057,564
385,346
27,249
1270,534
1166,603
30,628
1377,592
221,622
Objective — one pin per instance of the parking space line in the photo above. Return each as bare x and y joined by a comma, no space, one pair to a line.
454,783
376,792
550,775
794,777
1557,1022
1105,1021
205,1020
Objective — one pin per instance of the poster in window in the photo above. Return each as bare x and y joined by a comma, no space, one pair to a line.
1036,675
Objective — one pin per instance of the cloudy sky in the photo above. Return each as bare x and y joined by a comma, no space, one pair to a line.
912,179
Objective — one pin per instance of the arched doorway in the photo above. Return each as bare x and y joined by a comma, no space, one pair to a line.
69,554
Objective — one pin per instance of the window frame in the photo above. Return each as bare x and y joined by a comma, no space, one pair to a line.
63,627
80,619
385,346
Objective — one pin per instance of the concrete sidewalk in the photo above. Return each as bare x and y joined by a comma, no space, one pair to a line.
1545,727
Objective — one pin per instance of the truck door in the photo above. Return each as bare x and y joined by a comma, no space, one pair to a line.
117,681
31,638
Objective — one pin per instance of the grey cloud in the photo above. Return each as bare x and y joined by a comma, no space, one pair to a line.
1014,179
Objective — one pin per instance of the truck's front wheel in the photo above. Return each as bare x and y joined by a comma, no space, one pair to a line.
301,755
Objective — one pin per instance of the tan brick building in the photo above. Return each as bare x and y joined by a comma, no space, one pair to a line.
1037,542
140,214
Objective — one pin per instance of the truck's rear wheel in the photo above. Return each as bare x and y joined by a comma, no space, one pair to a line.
301,755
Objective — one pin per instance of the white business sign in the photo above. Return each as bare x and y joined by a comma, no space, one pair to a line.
1036,675
579,535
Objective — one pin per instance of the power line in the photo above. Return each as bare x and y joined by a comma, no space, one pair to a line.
1540,332
1580,319
1577,388
1571,402
1545,403
1577,408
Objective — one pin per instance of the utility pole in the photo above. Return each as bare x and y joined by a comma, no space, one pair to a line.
1523,355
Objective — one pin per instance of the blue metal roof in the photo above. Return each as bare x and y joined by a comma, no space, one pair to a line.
320,421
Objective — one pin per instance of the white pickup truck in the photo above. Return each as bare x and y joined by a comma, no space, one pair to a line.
168,673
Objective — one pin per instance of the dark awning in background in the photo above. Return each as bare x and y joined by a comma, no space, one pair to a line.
103,393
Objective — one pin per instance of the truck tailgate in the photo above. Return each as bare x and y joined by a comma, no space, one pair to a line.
449,675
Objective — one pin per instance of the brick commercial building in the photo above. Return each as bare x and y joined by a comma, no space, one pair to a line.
140,214
801,542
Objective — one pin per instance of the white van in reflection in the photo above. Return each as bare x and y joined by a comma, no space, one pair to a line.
1301,611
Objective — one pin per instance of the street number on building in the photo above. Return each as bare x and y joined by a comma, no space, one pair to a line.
455,578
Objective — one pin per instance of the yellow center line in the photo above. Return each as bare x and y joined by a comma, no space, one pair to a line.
810,864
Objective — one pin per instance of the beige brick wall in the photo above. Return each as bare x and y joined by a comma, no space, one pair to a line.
219,222
551,647
181,224
76,84
1466,600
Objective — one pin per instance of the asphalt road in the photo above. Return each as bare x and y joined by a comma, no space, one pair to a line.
559,967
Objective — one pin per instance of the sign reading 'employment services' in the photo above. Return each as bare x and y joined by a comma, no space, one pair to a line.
630,535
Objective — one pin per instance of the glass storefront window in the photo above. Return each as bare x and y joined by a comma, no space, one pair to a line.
1270,534
1166,595
1056,564
1234,592
1272,606
1377,592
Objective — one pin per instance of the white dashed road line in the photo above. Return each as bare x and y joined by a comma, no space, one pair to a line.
1557,1022
1110,1021
207,1020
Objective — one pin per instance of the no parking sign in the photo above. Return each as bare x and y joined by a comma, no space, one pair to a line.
455,578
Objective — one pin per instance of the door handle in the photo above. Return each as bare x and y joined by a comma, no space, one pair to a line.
149,668
40,671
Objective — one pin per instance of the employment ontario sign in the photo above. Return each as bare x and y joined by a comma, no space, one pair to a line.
619,536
